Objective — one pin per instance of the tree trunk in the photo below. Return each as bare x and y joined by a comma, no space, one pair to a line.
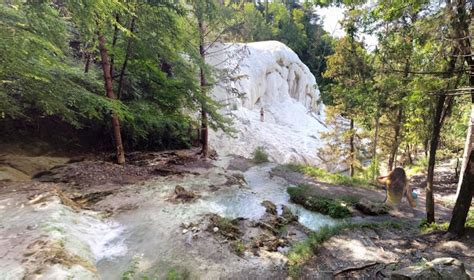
114,42
125,61
374,148
467,150
352,150
88,62
394,149
409,156
432,159
464,199
204,119
110,94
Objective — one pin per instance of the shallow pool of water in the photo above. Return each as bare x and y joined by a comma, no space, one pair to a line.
151,229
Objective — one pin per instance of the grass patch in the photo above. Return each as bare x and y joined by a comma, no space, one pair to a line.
260,155
304,250
175,274
328,177
335,208
427,228
239,247
418,167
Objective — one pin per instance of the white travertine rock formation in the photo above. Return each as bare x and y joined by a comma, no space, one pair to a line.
267,75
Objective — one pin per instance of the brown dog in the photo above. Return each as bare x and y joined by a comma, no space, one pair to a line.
397,186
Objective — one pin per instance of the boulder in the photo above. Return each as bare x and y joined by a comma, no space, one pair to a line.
371,208
450,268
288,215
270,207
416,273
437,269
184,195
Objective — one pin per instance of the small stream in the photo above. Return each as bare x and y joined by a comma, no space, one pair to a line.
247,202
152,231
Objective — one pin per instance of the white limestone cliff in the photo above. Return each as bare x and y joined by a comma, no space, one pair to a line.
267,75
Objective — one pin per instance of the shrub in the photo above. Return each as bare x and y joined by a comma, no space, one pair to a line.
260,155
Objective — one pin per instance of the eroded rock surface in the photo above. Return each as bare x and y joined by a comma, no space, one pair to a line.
267,77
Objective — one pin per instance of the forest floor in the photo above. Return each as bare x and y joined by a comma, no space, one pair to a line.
147,222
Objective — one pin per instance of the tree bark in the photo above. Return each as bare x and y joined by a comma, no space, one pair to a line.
465,189
374,148
396,142
110,94
464,199
352,150
443,106
467,150
88,62
125,61
203,83
430,218
114,42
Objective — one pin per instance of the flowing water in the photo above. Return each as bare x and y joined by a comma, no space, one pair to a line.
152,231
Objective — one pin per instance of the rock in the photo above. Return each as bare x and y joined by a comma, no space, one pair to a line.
371,208
437,269
288,215
269,206
449,269
416,273
267,75
184,195
236,179
185,231
215,229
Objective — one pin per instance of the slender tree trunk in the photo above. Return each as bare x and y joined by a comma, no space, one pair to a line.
352,150
204,119
114,42
408,152
467,150
430,218
464,199
374,148
443,106
110,94
465,189
125,60
396,141
88,61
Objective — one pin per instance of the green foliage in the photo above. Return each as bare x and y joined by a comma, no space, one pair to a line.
260,155
298,26
38,77
43,79
239,247
419,166
324,205
176,274
426,227
327,177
